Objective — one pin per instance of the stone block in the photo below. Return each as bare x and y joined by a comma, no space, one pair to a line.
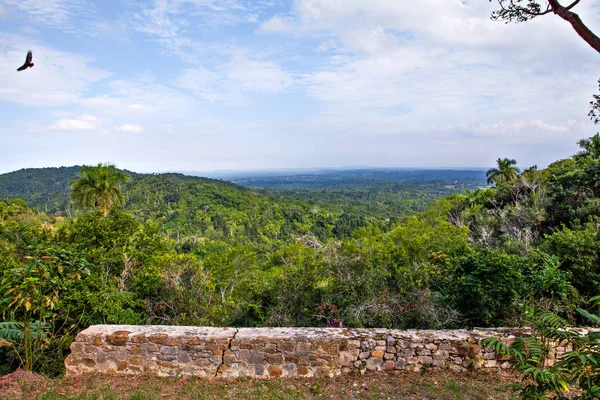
303,347
159,338
275,370
256,357
425,360
353,344
121,365
348,357
118,338
374,364
431,346
150,348
400,363
275,358
97,341
302,370
378,354
444,346
243,355
140,338
170,350
441,354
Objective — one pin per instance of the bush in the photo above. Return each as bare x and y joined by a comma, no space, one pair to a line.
575,374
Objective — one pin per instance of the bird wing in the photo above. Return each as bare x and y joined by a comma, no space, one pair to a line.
27,61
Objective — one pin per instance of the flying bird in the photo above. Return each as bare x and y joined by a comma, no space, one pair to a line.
28,63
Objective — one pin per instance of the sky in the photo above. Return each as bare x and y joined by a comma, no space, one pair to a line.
204,85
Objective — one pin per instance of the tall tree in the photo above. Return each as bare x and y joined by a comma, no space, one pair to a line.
524,10
506,171
590,146
98,187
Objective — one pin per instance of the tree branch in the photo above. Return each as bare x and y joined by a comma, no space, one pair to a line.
582,30
573,4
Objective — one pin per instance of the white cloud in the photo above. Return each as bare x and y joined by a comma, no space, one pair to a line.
258,76
173,24
142,98
28,30
85,122
72,16
433,83
57,79
130,128
3,13
437,62
233,81
277,24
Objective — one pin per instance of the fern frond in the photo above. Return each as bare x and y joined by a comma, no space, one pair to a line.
548,319
10,330
592,317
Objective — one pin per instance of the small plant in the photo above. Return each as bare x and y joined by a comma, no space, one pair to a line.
574,375
331,314
32,293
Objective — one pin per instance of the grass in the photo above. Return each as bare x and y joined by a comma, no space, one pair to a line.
428,385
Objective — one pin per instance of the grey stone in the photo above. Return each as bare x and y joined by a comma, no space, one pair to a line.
374,363
256,357
169,350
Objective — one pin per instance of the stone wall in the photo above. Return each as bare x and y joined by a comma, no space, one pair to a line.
277,352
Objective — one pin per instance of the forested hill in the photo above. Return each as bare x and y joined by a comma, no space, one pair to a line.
381,193
376,178
187,207
191,206
45,188
48,188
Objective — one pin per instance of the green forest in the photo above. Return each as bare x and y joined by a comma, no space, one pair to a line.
94,244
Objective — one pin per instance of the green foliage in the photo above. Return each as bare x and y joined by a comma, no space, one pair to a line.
486,286
33,295
116,307
505,172
44,188
574,374
573,191
98,187
195,251
579,251
590,146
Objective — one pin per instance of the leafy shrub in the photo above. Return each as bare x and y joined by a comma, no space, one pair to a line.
574,375
32,301
485,286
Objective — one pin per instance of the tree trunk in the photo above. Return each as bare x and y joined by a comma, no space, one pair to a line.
583,31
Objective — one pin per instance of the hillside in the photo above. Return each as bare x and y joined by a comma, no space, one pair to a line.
186,206
337,201
43,188
326,205
381,193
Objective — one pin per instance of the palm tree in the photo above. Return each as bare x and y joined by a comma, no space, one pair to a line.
505,172
98,187
590,146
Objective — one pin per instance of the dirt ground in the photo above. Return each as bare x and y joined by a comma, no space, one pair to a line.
403,385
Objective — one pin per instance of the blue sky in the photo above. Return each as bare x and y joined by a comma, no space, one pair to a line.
202,85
